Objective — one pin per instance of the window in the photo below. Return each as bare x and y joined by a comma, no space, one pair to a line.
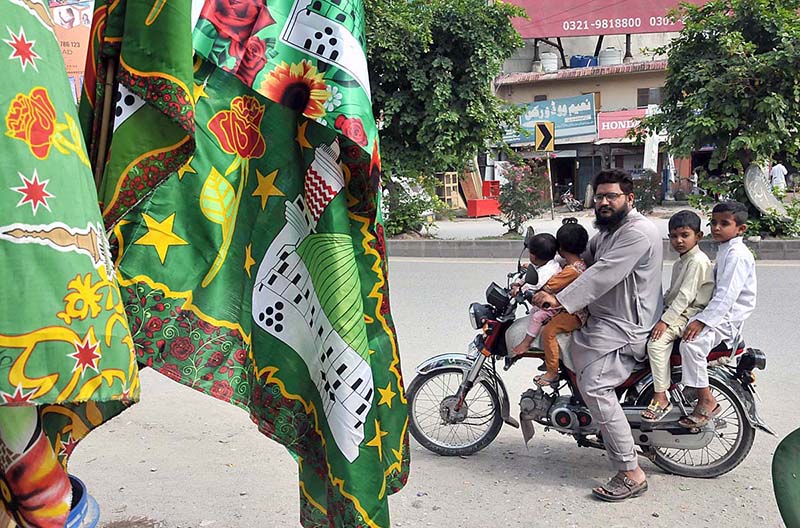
540,97
648,96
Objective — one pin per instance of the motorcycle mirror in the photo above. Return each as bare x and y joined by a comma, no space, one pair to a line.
531,276
528,236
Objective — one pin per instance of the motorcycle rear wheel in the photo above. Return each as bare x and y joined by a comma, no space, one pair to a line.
724,453
426,395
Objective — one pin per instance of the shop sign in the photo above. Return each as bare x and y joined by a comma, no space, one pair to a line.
617,124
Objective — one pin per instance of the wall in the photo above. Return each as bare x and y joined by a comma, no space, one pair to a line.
617,92
522,60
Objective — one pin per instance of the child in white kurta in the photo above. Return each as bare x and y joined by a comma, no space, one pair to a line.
733,301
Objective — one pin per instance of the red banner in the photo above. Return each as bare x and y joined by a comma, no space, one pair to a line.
577,18
617,124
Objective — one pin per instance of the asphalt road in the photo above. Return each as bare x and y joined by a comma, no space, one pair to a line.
181,459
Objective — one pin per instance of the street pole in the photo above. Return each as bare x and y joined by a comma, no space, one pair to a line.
550,186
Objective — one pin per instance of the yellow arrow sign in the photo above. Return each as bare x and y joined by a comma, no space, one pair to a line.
545,136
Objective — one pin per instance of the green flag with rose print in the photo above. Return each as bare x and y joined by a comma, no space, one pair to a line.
65,345
256,272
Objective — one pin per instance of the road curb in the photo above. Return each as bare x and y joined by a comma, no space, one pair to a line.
433,248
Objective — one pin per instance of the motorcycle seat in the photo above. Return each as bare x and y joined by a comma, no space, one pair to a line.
716,353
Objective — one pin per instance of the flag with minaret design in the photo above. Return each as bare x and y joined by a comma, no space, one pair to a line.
256,272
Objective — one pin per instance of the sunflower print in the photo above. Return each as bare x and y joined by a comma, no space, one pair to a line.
299,86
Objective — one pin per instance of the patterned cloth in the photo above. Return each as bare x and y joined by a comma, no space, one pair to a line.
65,345
250,244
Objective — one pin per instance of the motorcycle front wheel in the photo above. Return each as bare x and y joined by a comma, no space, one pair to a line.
435,424
733,440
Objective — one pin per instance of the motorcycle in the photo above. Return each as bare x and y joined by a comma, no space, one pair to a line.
458,402
568,199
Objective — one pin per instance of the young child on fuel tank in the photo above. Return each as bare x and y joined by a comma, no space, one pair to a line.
689,291
732,302
571,238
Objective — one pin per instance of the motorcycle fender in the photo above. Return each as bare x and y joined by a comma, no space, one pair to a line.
745,396
461,361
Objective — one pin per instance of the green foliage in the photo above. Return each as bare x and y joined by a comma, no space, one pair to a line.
771,224
524,196
409,203
648,191
431,66
732,81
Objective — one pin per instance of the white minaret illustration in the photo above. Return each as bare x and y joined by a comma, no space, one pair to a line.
321,324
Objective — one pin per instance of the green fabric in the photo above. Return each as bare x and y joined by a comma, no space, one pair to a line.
786,478
255,272
64,338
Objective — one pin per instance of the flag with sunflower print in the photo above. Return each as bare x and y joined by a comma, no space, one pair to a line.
66,353
255,271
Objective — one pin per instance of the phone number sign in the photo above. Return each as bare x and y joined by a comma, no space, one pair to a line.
577,18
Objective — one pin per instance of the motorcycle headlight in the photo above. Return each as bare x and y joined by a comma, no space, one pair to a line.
478,313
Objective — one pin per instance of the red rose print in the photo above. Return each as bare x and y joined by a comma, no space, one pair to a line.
352,129
181,348
253,61
153,325
237,20
171,371
215,360
240,356
238,129
222,390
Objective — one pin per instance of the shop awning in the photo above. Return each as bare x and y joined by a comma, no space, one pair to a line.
615,141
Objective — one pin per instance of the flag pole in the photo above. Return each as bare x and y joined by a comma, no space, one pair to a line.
105,121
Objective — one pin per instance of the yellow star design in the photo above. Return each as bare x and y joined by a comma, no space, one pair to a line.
377,441
398,454
301,136
187,168
199,90
387,395
160,235
248,258
266,187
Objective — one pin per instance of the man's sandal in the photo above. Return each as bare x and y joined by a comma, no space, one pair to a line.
619,488
655,412
699,418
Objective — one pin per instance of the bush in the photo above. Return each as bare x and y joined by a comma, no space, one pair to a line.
647,189
524,195
408,201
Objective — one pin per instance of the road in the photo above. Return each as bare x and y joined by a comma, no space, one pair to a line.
181,459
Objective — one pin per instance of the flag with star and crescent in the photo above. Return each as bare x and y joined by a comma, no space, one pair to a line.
65,344
243,190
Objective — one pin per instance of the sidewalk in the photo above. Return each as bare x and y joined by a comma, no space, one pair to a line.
483,228
481,237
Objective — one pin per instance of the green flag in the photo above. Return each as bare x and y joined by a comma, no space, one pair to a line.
65,346
256,272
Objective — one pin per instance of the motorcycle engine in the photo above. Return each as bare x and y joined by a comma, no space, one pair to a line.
534,404
569,418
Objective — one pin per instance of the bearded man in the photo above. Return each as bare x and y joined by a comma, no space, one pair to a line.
622,291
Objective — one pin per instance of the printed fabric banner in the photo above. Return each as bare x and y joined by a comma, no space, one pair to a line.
255,271
66,350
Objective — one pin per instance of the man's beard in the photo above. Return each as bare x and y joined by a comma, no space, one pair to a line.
610,223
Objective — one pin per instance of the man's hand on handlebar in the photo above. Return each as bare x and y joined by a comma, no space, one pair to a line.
546,300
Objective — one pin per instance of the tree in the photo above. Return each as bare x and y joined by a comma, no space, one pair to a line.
431,66
732,82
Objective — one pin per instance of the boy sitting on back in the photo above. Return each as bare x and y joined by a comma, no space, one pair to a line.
689,292
733,301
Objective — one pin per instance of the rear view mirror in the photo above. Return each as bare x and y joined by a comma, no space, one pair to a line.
528,236
531,276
